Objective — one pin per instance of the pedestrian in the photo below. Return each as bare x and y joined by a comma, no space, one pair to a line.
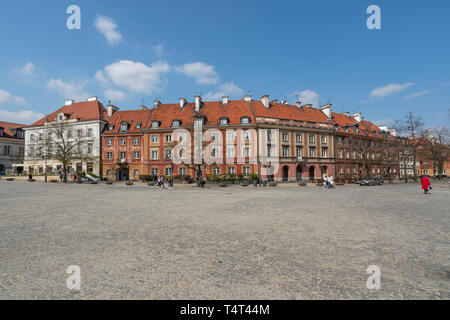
325,182
426,184
30,177
61,176
74,177
161,182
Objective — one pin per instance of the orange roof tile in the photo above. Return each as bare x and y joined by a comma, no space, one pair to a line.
132,117
8,126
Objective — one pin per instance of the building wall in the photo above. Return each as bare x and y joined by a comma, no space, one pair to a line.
11,152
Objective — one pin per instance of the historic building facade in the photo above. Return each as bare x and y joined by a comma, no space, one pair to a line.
11,147
270,139
81,120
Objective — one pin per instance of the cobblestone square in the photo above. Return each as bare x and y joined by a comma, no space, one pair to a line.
285,242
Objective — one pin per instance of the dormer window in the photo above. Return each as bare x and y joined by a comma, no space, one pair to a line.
176,123
245,120
123,126
60,117
111,127
155,124
139,125
224,121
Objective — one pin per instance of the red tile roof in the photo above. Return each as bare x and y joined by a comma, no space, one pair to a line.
8,126
291,112
132,117
83,111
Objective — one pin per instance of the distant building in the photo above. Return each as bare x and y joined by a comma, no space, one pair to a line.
87,118
11,146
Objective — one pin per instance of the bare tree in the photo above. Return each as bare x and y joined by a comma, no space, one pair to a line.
411,126
436,149
59,142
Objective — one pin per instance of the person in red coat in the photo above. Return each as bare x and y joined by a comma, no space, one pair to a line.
426,185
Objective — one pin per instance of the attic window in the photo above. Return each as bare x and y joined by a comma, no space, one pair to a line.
155,124
139,125
1,131
245,120
223,121
124,126
175,123
60,117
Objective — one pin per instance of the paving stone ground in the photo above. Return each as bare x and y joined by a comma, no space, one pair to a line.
289,242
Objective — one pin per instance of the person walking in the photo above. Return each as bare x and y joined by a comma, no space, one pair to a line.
161,182
426,184
61,176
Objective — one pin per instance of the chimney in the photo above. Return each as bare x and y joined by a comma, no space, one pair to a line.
111,109
284,102
308,105
225,100
69,102
274,101
92,99
327,110
198,103
357,117
346,113
156,103
265,101
143,107
248,98
182,103
298,104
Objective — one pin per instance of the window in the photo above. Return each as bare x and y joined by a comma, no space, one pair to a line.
341,171
137,155
108,172
354,170
230,136
154,171
168,154
231,170
215,136
323,139
32,137
269,151
168,171
269,135
79,133
341,153
109,142
245,120
353,154
111,127
298,137
216,171
230,152
155,124
246,135
182,171
89,148
181,137
136,141
69,134
311,138
246,170
246,152
7,150
285,151
312,152
348,170
136,172
198,122
154,139
223,121
285,137
154,154
347,154
123,141
175,123
139,125
324,152
168,138
90,132
299,151
109,155
123,155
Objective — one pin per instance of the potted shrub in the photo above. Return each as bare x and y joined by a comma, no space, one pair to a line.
272,183
244,183
9,179
108,182
151,183
129,183
302,183
223,184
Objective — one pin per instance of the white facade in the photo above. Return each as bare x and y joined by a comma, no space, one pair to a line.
11,152
94,127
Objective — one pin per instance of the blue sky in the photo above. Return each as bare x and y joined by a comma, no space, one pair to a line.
320,51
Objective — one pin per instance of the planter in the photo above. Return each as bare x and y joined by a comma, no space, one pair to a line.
244,184
151,184
302,183
129,183
108,182
272,184
9,179
223,184
31,180
93,182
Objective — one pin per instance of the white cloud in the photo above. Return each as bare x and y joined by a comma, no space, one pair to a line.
135,76
27,72
69,90
114,95
6,97
100,77
226,89
446,84
383,122
307,97
201,72
107,27
419,94
23,117
159,50
389,89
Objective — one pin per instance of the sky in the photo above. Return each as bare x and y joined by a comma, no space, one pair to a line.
133,52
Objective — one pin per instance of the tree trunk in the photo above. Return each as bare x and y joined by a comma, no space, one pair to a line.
65,173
